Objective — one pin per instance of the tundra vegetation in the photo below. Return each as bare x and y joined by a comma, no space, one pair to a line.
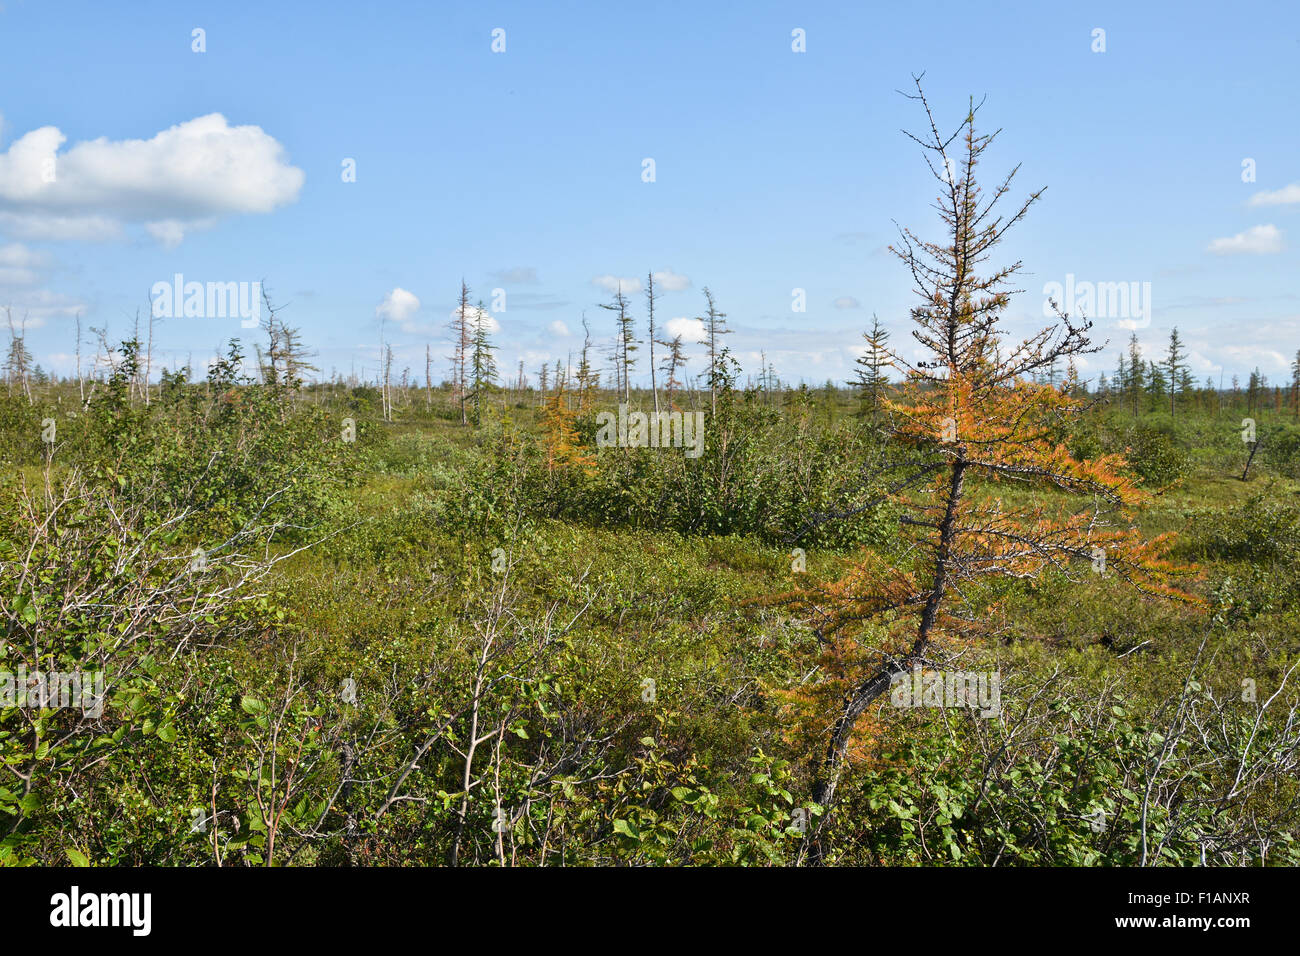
401,622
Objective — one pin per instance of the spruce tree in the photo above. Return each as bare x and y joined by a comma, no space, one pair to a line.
483,366
872,363
1175,368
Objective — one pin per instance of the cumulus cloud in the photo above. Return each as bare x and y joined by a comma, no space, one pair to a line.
1278,197
558,328
613,283
185,178
1257,240
846,302
398,306
670,281
691,330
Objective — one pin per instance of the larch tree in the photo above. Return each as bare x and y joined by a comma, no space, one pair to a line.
561,440
973,416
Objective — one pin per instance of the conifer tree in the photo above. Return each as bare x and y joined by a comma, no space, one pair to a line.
483,366
462,337
650,298
973,418
1295,387
18,362
588,377
1136,374
674,360
1175,369
624,340
1156,384
560,435
872,379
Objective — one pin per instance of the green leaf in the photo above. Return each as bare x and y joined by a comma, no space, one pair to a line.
77,857
627,828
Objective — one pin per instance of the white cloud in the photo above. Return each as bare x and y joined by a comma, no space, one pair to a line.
846,302
18,264
558,328
1257,240
1278,197
170,232
184,178
37,306
670,281
48,226
398,306
612,283
1250,356
1200,362
691,330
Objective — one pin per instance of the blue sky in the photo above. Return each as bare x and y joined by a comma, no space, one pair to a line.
522,170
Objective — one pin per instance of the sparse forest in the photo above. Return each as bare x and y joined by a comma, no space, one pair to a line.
439,620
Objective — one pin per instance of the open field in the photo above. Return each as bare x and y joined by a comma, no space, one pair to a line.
425,645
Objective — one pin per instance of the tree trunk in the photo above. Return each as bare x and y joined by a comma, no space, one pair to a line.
860,699
1254,447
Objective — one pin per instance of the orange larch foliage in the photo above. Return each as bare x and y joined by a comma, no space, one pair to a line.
563,445
975,426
